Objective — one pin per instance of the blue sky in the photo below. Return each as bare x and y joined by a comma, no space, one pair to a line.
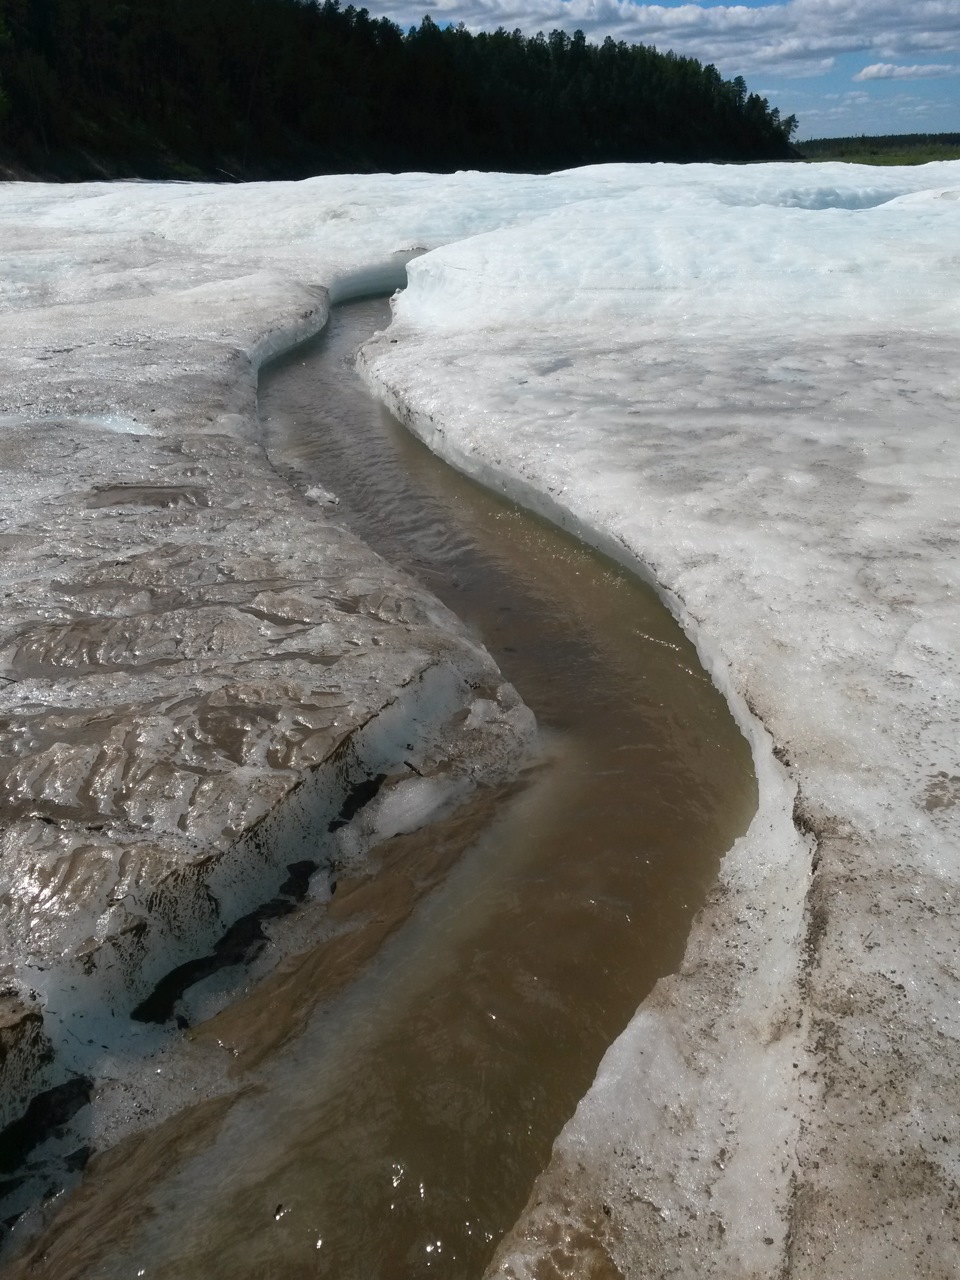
842,66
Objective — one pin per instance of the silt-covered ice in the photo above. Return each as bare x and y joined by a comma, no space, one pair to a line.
197,669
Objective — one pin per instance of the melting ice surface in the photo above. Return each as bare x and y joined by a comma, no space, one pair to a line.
745,380
750,385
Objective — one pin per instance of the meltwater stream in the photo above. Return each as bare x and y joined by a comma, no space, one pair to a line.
398,1132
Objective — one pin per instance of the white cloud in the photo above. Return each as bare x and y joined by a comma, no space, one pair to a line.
835,104
888,71
796,37
854,113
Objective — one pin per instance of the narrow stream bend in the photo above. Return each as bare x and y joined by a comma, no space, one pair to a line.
400,1133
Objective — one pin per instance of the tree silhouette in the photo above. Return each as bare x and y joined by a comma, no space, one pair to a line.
285,88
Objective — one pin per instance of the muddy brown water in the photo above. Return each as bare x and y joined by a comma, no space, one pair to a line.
398,1132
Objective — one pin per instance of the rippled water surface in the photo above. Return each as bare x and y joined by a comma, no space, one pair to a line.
399,1132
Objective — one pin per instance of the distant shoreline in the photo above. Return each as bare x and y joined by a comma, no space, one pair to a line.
884,149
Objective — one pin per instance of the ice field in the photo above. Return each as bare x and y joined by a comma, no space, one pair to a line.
741,381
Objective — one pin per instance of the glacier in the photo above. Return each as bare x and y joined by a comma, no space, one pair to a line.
739,381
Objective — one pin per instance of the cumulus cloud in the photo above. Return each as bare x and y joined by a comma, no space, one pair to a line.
796,37
888,71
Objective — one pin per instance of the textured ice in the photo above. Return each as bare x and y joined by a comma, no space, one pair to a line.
742,381
195,666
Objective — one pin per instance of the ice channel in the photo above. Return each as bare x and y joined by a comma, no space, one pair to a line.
395,1127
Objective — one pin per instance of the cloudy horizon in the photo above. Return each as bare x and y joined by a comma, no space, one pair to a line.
843,67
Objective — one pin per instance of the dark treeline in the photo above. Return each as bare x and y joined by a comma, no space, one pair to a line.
270,88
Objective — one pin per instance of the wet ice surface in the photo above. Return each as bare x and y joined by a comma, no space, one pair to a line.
197,667
745,378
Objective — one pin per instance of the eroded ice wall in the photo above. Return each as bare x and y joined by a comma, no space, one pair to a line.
203,681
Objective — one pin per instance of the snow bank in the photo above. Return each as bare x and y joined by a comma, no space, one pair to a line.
744,380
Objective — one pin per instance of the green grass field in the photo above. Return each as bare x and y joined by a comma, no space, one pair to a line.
909,148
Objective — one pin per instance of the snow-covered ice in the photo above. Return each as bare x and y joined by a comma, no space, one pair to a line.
746,382
743,381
